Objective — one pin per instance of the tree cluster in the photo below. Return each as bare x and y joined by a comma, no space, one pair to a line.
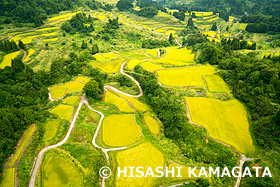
236,44
8,46
78,23
179,15
124,5
154,43
148,12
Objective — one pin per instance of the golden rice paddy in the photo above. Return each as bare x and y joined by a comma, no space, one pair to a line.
151,67
71,100
7,61
63,111
30,52
152,124
216,84
121,103
110,66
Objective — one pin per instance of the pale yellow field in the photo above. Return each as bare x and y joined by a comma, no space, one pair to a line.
100,57
71,100
176,55
63,111
151,123
243,26
224,120
121,103
209,33
213,19
7,61
26,40
189,76
159,30
23,143
109,67
151,67
51,128
30,52
120,130
46,29
152,52
60,90
110,56
50,40
31,37
63,16
171,31
101,17
184,173
133,62
215,39
15,38
49,34
136,104
8,179
145,155
216,84
82,79
27,33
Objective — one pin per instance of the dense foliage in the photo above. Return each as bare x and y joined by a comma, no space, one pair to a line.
78,23
124,5
154,43
179,15
94,89
8,46
148,12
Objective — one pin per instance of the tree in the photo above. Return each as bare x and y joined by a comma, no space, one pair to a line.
92,90
21,45
190,22
84,45
148,12
124,5
214,27
171,38
95,49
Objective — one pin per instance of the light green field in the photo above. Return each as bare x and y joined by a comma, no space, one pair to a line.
189,76
120,130
71,100
216,84
137,104
63,111
184,173
7,61
46,29
30,52
151,67
23,143
100,57
145,155
8,179
59,171
109,67
51,128
50,40
118,101
133,62
151,123
243,26
224,120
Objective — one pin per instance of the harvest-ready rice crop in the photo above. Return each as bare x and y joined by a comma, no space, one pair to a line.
133,62
137,104
63,111
224,120
145,155
120,130
8,179
46,29
71,100
50,40
151,67
51,128
189,76
121,103
151,123
7,61
110,66
216,84
30,52
63,16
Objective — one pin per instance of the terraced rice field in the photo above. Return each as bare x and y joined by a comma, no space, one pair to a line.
151,123
184,173
63,16
145,155
71,100
209,33
63,111
23,143
110,56
133,62
110,66
30,52
224,120
179,54
151,67
75,86
213,19
152,52
46,29
51,128
50,40
243,26
120,130
216,84
100,57
136,104
7,61
8,179
121,103
189,76
49,34
59,171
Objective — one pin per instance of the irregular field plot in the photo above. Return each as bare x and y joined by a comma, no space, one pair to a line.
49,34
133,62
71,100
109,67
179,54
151,123
224,120
99,57
209,33
59,171
137,104
7,61
118,101
63,111
151,67
120,130
8,179
82,79
190,76
152,52
63,16
243,26
144,155
50,40
30,52
46,29
110,55
23,143
51,128
216,84
184,173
